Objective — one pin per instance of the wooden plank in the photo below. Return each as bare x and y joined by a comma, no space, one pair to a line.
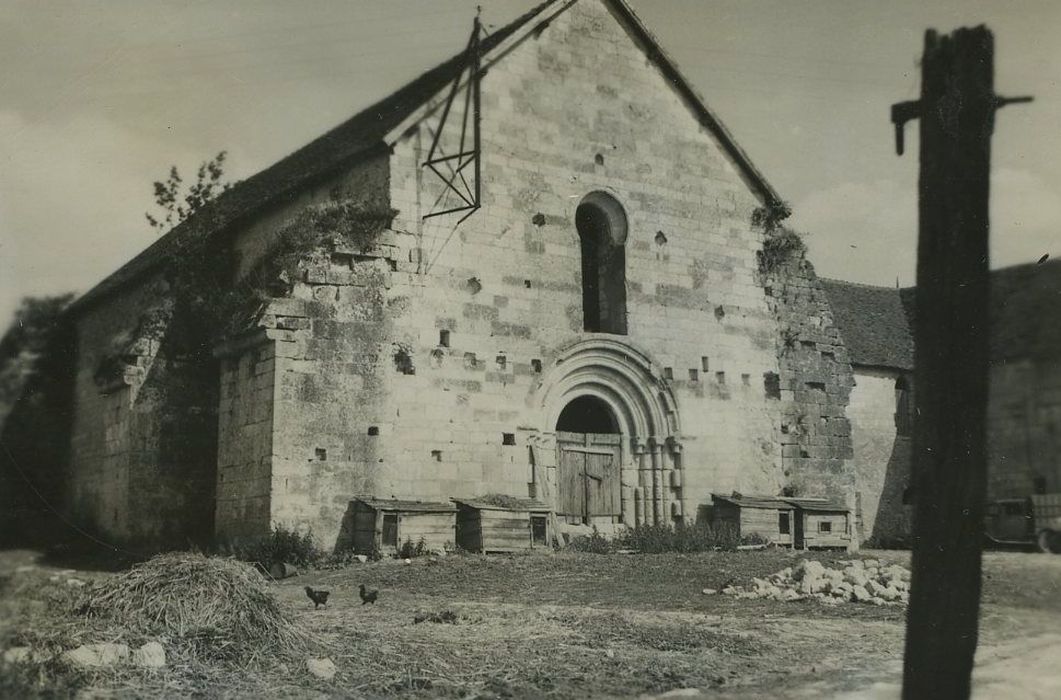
571,498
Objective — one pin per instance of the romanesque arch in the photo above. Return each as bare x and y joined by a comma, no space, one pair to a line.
622,378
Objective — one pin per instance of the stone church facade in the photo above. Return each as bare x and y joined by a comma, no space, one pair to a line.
620,330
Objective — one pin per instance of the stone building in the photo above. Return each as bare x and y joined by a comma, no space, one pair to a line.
620,329
1024,391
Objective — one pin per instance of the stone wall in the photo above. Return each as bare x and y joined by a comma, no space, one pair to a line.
881,456
456,379
142,446
815,384
1024,428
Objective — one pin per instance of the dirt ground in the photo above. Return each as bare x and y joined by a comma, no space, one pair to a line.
586,625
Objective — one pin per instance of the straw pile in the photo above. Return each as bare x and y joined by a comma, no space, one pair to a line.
215,607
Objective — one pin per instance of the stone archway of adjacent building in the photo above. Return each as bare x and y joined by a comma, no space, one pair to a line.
617,436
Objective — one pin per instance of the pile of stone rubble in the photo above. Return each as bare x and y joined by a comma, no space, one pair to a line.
857,581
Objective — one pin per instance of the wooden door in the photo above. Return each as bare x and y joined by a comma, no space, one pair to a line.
588,483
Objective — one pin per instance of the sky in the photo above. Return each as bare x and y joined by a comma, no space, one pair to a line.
98,99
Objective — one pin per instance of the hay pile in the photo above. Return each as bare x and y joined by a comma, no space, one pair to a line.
215,608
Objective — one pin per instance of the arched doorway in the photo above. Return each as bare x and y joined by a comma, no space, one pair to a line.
589,447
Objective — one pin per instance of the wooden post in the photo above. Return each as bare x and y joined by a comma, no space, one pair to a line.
951,338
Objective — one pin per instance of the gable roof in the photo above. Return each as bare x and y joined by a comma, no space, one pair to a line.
873,324
363,136
1024,314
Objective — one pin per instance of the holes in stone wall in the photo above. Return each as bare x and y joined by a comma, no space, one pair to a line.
527,284
373,430
720,377
598,159
538,219
668,373
536,365
720,313
436,455
661,238
502,361
322,454
443,338
772,385
403,359
694,375
820,386
746,379
705,364
470,361
473,285
508,438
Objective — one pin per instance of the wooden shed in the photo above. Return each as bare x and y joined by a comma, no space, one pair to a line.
506,524
385,524
822,524
763,515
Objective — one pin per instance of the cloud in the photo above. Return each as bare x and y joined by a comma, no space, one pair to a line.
74,195
861,231
867,231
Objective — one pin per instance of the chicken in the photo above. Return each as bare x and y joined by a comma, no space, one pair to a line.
368,596
319,598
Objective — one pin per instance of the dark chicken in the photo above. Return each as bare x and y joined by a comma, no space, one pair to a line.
319,598
368,596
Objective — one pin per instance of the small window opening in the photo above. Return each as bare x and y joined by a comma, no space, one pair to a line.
602,228
322,454
373,430
668,373
772,385
720,377
783,524
536,365
746,379
443,338
502,361
705,364
694,375
527,284
720,313
436,455
470,361
825,526
508,438
390,530
598,159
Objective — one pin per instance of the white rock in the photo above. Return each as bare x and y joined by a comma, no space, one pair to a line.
95,655
321,668
150,655
860,594
75,582
361,558
709,591
17,655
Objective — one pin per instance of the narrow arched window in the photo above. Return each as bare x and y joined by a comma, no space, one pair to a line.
902,407
601,224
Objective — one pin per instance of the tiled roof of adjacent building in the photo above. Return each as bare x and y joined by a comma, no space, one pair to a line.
362,136
1024,317
873,324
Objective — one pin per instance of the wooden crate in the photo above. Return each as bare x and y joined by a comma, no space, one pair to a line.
770,517
822,524
385,524
519,525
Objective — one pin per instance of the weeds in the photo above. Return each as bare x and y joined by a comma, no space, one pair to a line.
408,550
283,545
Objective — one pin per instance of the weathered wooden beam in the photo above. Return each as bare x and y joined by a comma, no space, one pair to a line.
951,377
